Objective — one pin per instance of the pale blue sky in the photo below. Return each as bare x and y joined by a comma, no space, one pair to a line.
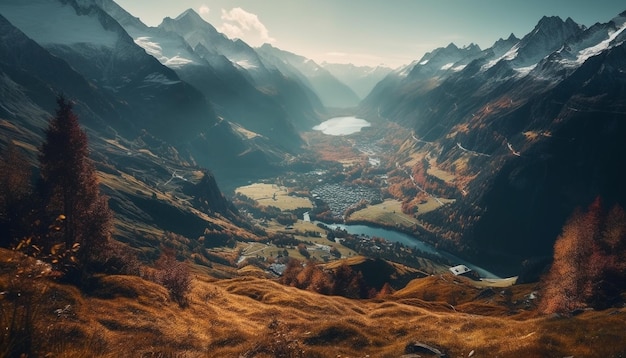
371,32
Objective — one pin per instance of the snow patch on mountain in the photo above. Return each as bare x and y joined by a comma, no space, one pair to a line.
591,51
159,78
523,71
508,56
246,64
51,22
170,56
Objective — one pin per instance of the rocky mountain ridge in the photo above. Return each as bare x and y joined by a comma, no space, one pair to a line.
527,132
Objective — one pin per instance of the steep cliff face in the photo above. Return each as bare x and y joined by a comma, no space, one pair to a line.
531,196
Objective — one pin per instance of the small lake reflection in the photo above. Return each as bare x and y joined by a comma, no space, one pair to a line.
342,126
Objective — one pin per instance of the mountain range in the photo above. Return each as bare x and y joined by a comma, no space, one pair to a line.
139,68
490,155
528,128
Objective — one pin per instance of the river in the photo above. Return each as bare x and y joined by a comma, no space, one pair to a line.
396,236
339,126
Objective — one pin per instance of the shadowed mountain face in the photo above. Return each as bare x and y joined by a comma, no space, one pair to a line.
148,129
535,123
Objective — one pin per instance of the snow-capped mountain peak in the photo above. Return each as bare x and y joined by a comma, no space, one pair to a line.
55,22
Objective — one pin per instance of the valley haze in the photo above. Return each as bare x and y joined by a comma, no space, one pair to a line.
312,179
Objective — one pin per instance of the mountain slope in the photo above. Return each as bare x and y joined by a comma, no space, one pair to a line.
139,171
331,91
147,95
233,95
527,133
285,98
98,48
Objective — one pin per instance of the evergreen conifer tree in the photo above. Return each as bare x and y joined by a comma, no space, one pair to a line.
74,206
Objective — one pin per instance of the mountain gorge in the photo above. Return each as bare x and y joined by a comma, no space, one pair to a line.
211,156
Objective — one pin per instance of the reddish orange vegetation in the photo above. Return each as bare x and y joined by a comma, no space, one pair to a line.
332,148
588,267
495,106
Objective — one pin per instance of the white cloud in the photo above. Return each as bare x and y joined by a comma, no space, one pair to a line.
204,11
239,23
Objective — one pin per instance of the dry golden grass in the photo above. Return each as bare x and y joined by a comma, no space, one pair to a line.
431,204
127,316
248,134
273,195
28,146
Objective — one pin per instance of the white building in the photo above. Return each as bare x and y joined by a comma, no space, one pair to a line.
460,270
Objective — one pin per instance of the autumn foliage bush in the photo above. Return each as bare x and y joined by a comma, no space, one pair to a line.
171,274
342,281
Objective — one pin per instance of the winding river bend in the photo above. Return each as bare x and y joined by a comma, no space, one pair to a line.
340,126
395,236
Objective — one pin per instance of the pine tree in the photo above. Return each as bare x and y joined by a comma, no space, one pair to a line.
70,188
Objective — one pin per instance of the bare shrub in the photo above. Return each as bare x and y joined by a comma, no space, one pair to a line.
173,275
276,343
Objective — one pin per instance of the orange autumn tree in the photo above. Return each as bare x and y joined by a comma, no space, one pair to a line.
587,269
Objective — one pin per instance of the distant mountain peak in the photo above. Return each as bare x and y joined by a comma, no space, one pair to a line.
471,47
190,13
550,24
549,20
268,46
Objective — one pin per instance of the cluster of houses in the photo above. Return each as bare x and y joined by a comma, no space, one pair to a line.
340,197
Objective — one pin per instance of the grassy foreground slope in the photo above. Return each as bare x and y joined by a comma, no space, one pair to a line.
255,317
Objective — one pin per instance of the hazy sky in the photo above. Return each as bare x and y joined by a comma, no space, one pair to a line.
372,32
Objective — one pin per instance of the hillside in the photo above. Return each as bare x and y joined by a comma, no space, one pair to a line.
519,134
252,317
